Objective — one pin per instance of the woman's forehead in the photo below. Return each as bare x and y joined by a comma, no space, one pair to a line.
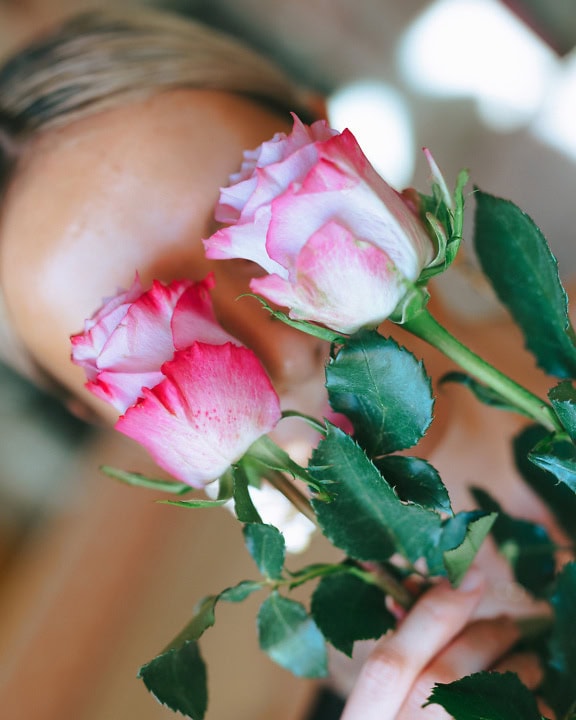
132,188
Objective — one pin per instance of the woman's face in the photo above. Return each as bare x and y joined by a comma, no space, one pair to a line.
134,188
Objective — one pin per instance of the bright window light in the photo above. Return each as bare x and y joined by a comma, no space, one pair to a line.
478,49
556,124
379,117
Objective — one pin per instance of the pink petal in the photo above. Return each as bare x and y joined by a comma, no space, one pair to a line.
284,158
87,345
143,340
390,225
245,241
194,320
121,390
340,281
214,403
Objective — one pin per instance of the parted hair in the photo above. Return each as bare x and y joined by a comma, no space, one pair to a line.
102,59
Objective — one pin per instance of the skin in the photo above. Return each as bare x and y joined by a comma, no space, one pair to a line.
94,201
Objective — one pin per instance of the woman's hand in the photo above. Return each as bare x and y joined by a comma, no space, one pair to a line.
435,643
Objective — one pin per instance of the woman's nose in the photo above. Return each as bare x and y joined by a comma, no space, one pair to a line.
289,356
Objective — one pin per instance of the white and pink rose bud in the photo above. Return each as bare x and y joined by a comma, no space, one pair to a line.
340,246
190,395
125,343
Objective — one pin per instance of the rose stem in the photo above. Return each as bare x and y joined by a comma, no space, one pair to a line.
426,327
382,578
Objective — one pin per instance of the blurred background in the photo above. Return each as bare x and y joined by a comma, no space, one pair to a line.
487,85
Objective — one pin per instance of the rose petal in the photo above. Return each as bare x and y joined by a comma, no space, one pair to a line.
121,390
244,241
283,161
143,340
214,403
340,281
193,319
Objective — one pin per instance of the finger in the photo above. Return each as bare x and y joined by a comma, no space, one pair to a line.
399,658
477,648
526,665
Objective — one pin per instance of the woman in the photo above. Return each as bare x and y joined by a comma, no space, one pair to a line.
116,132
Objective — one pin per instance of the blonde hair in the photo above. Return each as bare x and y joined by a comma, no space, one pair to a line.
99,60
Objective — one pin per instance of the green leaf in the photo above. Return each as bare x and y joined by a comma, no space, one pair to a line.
515,257
266,545
453,533
481,392
365,517
177,677
291,638
486,696
384,391
458,560
563,399
347,609
243,505
525,545
563,639
557,455
240,592
415,481
138,480
558,497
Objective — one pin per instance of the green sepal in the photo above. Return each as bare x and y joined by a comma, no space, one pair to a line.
483,393
347,609
365,517
414,299
525,545
563,399
139,480
243,505
515,257
486,696
457,561
194,504
557,455
304,326
383,390
177,677
444,217
289,636
267,454
415,481
266,545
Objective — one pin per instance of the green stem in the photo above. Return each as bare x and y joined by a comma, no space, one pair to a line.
312,421
292,493
426,327
377,575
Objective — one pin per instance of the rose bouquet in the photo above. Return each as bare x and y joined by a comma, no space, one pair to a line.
343,252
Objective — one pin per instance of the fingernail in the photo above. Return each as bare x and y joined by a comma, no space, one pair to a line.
473,580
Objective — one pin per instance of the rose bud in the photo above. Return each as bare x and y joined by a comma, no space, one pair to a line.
213,403
340,245
125,343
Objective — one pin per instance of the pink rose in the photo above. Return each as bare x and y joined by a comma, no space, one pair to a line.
339,244
125,343
213,403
